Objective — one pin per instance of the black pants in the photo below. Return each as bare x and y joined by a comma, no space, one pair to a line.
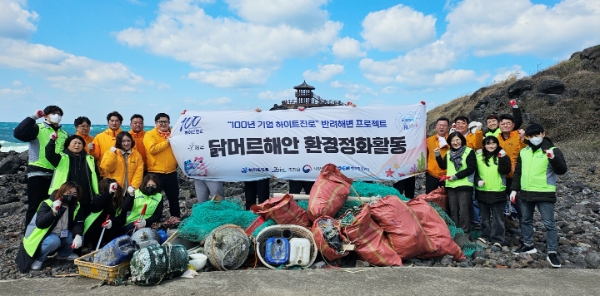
37,191
517,204
170,185
253,189
432,183
297,186
492,221
406,187
460,205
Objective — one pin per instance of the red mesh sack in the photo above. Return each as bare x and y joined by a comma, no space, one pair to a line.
437,196
401,226
284,210
329,193
371,244
326,250
436,230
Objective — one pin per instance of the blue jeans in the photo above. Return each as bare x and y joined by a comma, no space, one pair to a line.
53,242
546,210
476,217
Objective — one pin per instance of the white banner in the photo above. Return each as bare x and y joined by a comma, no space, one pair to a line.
366,143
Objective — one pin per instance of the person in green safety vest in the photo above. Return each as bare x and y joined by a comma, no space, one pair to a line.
492,166
460,164
108,203
534,181
56,226
148,194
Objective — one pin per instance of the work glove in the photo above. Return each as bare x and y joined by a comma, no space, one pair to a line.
422,102
513,103
107,224
550,153
479,151
56,205
130,190
301,108
37,115
442,141
113,149
474,126
53,136
91,146
513,197
112,188
350,104
257,110
140,223
444,178
453,129
77,241
480,183
502,153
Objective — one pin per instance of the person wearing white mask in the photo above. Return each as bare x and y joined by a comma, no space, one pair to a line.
39,169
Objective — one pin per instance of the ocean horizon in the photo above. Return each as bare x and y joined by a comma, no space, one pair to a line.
9,143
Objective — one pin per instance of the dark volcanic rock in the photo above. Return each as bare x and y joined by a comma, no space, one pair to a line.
551,86
10,164
590,53
520,86
551,99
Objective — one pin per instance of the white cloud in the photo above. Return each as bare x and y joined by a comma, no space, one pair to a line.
16,83
303,14
287,94
241,78
15,91
506,72
398,28
353,87
324,73
16,21
163,86
454,77
183,31
64,70
521,27
352,97
347,48
388,90
215,101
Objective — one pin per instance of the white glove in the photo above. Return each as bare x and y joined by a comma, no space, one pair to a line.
350,104
130,190
113,149
479,151
140,223
113,187
442,142
37,115
53,136
91,146
502,153
76,242
107,224
474,126
452,178
550,153
480,183
257,110
453,129
56,205
513,196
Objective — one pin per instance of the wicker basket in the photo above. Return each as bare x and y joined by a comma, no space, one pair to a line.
277,231
86,267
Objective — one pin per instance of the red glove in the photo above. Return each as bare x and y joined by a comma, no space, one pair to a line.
53,136
444,178
112,188
502,153
550,154
38,114
301,108
513,103
422,102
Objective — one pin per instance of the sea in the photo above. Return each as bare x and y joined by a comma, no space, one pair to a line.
9,142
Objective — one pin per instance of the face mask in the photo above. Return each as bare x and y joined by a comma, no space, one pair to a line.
55,118
535,141
151,190
69,199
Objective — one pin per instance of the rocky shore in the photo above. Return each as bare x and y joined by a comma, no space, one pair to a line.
577,216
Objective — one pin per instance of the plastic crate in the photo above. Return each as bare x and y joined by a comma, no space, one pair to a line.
86,267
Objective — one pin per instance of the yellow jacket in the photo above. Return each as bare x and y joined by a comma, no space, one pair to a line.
512,146
113,164
159,153
88,139
475,141
102,143
138,138
433,168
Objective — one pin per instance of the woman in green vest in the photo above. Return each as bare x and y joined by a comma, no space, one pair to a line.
148,194
108,203
57,226
492,166
460,163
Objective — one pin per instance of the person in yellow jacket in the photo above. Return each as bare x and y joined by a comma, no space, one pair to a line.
106,139
162,162
437,141
123,163
83,126
511,140
138,133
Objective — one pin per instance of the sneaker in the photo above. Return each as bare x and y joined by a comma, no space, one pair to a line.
525,249
36,265
499,245
481,239
71,257
553,259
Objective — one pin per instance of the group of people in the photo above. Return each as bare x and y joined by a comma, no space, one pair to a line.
90,190
486,173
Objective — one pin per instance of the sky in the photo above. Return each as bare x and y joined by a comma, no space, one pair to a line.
146,57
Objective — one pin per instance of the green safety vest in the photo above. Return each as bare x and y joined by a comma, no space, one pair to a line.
32,240
494,182
89,220
62,172
451,171
495,133
536,173
138,203
43,138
